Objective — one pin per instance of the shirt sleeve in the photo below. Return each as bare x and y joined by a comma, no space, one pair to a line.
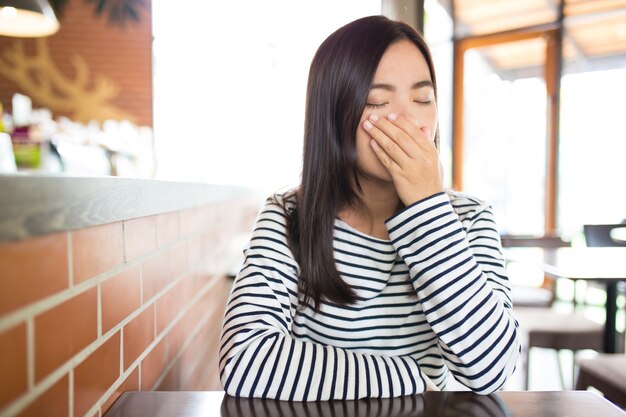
458,273
259,357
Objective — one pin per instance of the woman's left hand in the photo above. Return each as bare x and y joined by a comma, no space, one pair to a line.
405,150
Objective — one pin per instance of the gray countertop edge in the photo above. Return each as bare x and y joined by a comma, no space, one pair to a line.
38,205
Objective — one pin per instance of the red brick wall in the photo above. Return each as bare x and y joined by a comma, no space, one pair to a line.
122,55
132,305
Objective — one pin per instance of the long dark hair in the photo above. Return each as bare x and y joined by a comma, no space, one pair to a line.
340,76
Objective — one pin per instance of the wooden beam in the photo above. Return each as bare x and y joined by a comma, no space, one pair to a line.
553,87
507,36
457,116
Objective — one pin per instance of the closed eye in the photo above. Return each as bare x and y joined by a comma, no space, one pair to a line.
375,105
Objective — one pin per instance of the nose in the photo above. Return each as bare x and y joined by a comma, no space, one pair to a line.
408,109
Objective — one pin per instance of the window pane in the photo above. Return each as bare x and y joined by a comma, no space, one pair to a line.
504,134
593,139
229,86
592,149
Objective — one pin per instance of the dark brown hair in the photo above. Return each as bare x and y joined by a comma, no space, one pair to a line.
340,76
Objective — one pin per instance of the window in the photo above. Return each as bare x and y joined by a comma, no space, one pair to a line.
504,133
230,84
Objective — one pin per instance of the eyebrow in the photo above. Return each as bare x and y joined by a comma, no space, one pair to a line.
389,87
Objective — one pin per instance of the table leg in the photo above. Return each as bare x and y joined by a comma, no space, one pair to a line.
610,337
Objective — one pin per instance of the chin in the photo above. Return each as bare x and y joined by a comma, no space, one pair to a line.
379,177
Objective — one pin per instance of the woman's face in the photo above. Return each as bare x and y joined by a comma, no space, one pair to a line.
402,85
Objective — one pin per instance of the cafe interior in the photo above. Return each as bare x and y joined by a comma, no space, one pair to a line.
139,139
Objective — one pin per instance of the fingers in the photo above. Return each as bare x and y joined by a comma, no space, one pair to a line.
383,157
412,138
388,149
403,127
398,141
393,132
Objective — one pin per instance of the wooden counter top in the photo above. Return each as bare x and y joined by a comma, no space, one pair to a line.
429,404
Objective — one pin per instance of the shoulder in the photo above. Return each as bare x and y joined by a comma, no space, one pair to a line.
284,199
269,236
280,203
278,206
466,206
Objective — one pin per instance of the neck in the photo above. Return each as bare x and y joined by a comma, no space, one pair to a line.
380,201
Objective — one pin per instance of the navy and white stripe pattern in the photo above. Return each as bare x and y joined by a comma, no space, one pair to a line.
433,300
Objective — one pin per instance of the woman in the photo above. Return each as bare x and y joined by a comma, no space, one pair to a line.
369,280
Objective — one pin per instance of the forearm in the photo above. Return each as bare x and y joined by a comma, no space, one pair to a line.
469,314
260,357
274,365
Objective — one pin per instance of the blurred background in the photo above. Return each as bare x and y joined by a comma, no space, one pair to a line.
529,101
213,92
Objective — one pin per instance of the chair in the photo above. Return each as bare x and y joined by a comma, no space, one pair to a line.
606,235
543,327
606,373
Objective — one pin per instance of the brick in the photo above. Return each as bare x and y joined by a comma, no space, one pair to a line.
96,374
32,269
175,339
140,236
172,379
96,250
214,301
154,365
168,229
13,374
204,376
65,330
195,251
121,295
188,222
155,275
178,260
131,383
169,305
138,334
52,403
207,217
211,382
192,355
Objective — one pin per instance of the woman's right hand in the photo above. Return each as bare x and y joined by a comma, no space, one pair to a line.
405,149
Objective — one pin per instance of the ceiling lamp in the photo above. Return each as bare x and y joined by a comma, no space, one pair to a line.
27,18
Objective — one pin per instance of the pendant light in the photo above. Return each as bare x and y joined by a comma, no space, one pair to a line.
27,18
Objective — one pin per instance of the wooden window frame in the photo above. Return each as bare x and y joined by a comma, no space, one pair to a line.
553,34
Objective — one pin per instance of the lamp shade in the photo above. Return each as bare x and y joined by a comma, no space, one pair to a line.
27,18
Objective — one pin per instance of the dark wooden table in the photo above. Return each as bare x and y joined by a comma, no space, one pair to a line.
605,265
432,403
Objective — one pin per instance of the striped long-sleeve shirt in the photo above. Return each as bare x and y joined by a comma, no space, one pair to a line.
434,299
